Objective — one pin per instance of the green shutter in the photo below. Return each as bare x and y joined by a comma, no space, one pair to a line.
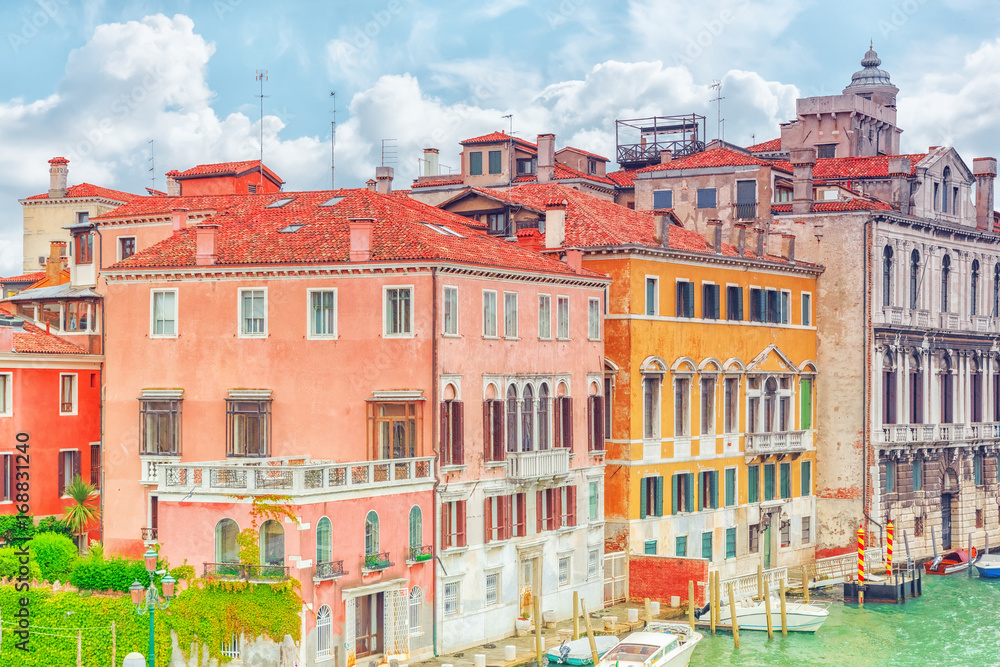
806,478
681,546
730,487
715,489
689,490
730,543
706,545
673,485
805,400
689,300
786,480
701,490
753,484
659,497
769,481
476,163
650,547
495,162
642,498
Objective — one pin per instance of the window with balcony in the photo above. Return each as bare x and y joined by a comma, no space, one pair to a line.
528,441
452,433
996,290
395,429
272,543
888,389
946,380
253,313
708,483
164,314
682,406
734,302
544,316
67,394
682,492
489,313
887,268
322,313
324,541
416,532
160,426
248,427
916,391
476,163
226,546
707,405
975,391
398,311
562,411
493,431
453,524
450,325
651,497
974,289
371,534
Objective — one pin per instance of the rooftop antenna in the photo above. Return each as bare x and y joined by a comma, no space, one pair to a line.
389,155
717,85
152,165
510,157
333,143
262,77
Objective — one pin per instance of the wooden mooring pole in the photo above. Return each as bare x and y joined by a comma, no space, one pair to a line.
760,580
691,602
649,612
576,615
538,631
712,609
969,552
784,618
733,620
590,631
805,583
767,612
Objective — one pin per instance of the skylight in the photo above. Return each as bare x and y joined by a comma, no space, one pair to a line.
291,228
278,203
333,201
444,231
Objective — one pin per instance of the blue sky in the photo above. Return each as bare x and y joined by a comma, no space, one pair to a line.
94,81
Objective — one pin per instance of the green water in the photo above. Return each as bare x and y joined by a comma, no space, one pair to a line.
955,622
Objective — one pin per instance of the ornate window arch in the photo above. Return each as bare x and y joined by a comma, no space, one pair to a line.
916,390
324,633
945,282
887,269
226,545
889,388
416,529
974,288
371,533
915,279
324,541
272,543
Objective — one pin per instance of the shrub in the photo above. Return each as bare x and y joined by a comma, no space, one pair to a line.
10,565
55,555
16,527
50,524
115,574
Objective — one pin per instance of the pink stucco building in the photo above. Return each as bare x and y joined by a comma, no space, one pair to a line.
416,387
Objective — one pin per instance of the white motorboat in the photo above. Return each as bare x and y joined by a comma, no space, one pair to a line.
577,651
661,644
752,615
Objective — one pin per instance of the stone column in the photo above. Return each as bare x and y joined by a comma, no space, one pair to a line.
904,394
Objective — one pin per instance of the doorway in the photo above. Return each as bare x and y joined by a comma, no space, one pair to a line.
528,575
369,624
946,521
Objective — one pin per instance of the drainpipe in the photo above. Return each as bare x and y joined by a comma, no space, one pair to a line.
868,340
434,448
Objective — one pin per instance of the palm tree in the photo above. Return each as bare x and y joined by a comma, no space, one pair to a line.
82,512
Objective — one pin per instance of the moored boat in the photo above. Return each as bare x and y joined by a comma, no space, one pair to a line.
661,644
577,651
988,566
951,562
752,615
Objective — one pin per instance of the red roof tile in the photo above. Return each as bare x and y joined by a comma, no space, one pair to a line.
715,157
563,173
250,233
26,278
583,152
856,204
496,137
35,340
766,146
86,190
623,178
225,169
444,180
876,166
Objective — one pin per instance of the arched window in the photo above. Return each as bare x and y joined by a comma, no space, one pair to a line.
770,394
916,391
947,390
945,275
324,633
543,416
976,390
996,290
946,189
226,548
887,276
272,543
324,541
416,531
888,389
512,418
915,278
974,288
371,533
416,611
527,419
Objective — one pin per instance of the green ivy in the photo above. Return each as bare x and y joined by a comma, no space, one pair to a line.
209,612
10,565
55,555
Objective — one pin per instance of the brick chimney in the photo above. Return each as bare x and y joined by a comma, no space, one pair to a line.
899,174
985,171
58,174
173,185
555,223
370,184
56,261
361,238
575,260
788,247
761,239
180,218
666,155
739,238
383,179
546,158
715,235
661,228
206,243
431,162
802,160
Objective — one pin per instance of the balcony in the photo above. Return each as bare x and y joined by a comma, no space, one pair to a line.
538,465
267,574
148,534
376,563
151,466
419,554
895,434
746,211
292,476
782,442
332,570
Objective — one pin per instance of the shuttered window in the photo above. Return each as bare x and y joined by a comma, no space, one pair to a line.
452,433
769,481
710,302
453,524
651,497
753,484
493,423
476,163
806,478
684,305
682,492
495,164
786,480
730,498
734,302
563,408
595,423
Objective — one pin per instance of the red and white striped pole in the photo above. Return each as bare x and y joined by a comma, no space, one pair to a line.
861,565
888,556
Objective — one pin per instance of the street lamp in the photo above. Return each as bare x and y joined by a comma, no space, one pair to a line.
148,599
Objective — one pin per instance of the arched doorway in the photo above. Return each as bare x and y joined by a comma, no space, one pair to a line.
949,495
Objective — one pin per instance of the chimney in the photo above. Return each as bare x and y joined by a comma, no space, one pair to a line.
383,180
788,247
899,174
761,238
180,217
361,238
985,171
666,155
546,158
715,230
431,162
661,228
370,184
173,185
58,173
6,339
206,253
575,260
55,263
739,238
555,223
802,160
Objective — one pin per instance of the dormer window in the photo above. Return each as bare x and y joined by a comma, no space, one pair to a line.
526,166
591,166
85,248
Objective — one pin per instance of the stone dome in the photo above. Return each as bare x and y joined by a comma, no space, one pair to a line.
871,75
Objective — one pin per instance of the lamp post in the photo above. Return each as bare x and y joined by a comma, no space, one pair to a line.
148,599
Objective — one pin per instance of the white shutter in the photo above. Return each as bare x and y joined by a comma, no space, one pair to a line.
397,623
350,630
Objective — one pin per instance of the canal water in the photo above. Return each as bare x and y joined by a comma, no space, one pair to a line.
955,622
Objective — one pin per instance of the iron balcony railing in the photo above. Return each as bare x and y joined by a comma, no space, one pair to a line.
255,573
293,476
376,562
746,211
528,466
420,554
330,570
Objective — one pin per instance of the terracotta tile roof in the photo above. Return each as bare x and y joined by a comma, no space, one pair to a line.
26,278
562,173
250,234
86,190
766,146
623,178
856,204
876,166
35,340
594,222
715,157
583,152
444,180
495,137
